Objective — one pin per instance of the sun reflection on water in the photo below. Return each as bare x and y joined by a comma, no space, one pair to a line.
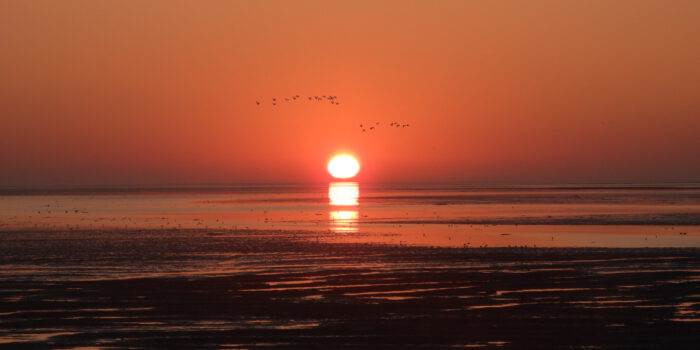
344,194
344,221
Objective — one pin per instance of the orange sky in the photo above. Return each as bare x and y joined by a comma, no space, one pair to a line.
163,92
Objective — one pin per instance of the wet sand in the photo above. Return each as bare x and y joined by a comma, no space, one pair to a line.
655,219
283,289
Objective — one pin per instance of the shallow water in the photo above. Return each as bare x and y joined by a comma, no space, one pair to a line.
450,216
289,267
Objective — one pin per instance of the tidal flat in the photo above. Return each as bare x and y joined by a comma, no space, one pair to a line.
351,266
282,289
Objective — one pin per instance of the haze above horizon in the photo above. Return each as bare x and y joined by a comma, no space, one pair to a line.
117,93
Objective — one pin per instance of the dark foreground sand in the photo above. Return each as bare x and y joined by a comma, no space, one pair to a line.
284,290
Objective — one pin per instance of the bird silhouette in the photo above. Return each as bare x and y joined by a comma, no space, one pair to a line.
318,98
375,125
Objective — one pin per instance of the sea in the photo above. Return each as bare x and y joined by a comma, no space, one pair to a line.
658,215
347,265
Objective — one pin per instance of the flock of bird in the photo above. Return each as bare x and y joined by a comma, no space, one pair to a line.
372,127
333,100
330,98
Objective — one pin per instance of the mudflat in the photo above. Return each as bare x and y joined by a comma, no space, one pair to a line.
283,289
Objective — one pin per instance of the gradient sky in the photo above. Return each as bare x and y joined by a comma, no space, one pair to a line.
163,92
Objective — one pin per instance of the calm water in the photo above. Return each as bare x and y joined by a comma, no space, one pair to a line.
451,216
260,267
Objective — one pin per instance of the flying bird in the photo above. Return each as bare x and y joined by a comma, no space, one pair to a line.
330,98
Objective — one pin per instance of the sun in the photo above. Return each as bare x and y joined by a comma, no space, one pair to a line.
343,166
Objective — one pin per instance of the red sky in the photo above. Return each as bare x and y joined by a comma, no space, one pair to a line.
163,92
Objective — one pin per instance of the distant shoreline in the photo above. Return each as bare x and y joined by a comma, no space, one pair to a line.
248,188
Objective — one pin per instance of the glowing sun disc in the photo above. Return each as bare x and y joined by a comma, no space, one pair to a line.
343,166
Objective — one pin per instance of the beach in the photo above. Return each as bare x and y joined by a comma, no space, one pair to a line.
251,275
277,290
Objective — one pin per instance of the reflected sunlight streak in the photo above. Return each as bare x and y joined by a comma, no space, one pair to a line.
344,221
343,193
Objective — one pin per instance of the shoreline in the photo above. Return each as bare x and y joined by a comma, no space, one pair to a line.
278,290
